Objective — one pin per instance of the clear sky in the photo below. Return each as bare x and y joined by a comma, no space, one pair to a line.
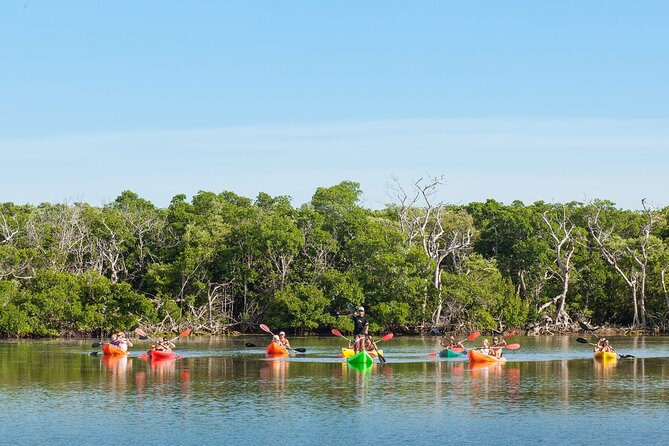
511,100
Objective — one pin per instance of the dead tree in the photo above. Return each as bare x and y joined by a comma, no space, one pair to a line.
562,237
435,228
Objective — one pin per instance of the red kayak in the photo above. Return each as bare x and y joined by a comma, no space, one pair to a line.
275,349
111,350
160,354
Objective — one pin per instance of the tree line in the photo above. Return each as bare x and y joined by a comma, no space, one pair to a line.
222,263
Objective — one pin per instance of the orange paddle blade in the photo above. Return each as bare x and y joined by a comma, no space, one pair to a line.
335,332
474,335
513,346
387,337
185,333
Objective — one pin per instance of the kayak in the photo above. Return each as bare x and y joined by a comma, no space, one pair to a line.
348,352
276,350
160,354
111,350
606,356
479,356
448,353
361,358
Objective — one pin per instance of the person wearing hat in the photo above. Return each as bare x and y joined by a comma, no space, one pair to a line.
603,346
360,328
450,343
164,345
124,342
282,339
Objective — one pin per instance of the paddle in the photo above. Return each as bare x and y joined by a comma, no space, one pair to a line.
584,341
382,360
511,333
586,328
266,329
471,337
183,334
248,344
336,332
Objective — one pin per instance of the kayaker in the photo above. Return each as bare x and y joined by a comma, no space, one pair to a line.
114,340
497,347
282,339
451,343
124,342
360,329
603,346
163,345
370,345
485,347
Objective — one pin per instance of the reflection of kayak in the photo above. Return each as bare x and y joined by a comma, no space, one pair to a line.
108,349
115,361
478,356
361,358
157,355
275,349
606,356
348,352
448,353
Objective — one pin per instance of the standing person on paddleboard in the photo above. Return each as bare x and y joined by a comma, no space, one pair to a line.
360,328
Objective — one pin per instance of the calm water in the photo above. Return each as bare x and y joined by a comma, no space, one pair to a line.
549,392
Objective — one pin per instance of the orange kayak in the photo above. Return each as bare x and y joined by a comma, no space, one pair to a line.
479,356
276,350
111,350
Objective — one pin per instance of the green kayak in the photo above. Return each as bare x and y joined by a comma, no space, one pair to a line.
448,353
360,358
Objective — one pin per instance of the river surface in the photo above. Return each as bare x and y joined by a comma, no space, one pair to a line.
550,392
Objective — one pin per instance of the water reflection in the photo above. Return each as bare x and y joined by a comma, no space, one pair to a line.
118,368
274,376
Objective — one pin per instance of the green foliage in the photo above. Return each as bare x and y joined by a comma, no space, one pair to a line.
75,268
300,307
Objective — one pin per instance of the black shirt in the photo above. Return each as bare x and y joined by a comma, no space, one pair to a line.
360,323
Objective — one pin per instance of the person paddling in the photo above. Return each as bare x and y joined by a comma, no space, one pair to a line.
124,342
485,347
114,340
283,340
451,344
497,347
163,345
360,329
603,346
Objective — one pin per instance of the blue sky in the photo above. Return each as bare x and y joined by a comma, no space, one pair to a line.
552,101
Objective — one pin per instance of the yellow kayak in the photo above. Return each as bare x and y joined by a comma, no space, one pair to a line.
606,356
348,352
